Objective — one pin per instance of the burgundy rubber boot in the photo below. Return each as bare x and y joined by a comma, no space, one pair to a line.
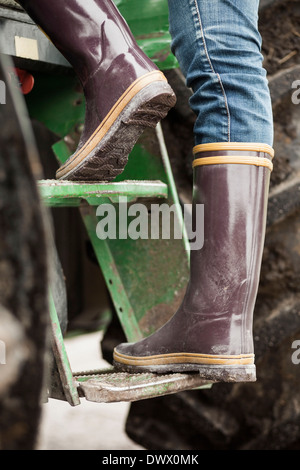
125,92
211,333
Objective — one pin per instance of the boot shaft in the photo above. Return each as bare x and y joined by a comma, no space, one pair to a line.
211,332
92,35
232,182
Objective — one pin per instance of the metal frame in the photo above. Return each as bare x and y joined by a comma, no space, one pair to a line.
143,279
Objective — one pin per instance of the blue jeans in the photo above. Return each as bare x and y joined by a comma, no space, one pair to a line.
218,48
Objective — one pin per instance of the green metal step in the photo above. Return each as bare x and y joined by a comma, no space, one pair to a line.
67,193
110,386
107,385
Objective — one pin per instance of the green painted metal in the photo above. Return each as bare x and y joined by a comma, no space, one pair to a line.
149,22
67,193
61,357
107,262
146,278
57,101
153,273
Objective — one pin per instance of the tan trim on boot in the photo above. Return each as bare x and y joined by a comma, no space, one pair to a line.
234,146
241,160
185,358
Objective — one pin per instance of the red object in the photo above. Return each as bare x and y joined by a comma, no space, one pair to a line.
26,80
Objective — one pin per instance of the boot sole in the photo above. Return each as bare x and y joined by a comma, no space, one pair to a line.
105,155
216,369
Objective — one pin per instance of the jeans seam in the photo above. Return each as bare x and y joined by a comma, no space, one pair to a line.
213,70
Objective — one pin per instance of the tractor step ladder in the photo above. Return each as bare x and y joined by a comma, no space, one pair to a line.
146,279
108,385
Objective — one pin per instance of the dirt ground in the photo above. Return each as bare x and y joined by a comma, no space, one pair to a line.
88,426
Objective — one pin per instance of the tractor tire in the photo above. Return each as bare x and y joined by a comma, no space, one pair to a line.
23,276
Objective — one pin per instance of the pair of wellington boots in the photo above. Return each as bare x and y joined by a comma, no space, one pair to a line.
211,333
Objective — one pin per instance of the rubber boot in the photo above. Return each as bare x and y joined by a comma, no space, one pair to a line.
124,91
211,333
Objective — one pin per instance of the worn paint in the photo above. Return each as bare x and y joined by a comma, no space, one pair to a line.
109,386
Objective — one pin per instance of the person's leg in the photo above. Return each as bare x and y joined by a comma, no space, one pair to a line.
217,45
125,92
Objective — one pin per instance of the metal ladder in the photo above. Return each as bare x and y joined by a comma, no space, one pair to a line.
145,278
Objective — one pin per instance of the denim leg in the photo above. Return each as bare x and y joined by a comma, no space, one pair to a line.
218,47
